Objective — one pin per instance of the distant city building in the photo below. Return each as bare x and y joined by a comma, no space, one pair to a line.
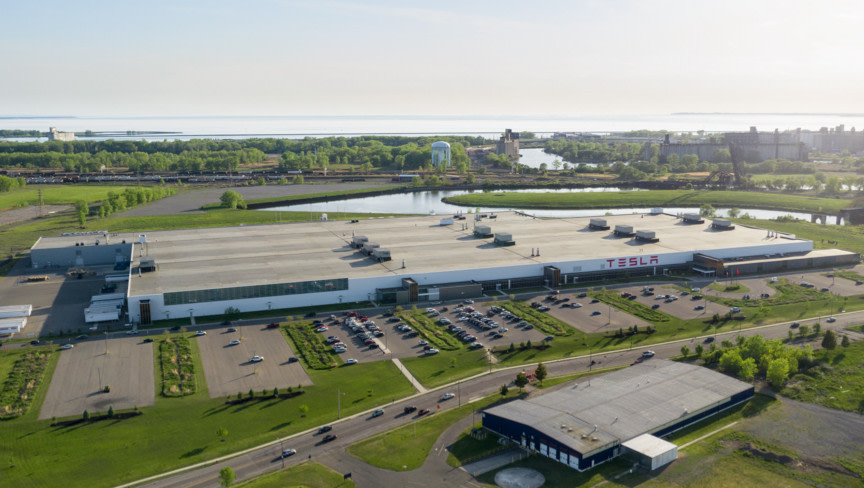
55,135
440,154
508,144
755,147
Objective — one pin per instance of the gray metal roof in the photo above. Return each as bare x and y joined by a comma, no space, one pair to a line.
623,404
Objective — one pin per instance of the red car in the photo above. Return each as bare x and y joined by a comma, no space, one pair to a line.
423,412
273,325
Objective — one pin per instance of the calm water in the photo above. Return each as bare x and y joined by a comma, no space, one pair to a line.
490,126
429,202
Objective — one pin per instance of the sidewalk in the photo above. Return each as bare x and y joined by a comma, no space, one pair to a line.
408,375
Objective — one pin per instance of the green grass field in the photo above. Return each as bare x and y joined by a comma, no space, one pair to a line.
407,447
654,198
306,475
837,381
447,366
178,431
58,194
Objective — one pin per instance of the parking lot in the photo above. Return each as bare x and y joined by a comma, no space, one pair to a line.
82,371
592,317
229,371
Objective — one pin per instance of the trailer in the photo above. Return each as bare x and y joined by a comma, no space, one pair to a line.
12,325
13,311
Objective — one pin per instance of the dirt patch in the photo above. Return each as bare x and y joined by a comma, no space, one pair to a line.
804,464
30,212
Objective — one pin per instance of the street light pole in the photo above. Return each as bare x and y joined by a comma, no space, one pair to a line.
281,452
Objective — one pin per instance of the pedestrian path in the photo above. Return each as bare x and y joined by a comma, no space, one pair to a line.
408,375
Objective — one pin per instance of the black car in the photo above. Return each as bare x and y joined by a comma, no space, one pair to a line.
292,359
655,306
329,437
34,342
149,339
326,428
582,295
410,409
594,300
709,339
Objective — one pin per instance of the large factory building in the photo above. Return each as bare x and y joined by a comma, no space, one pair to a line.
202,272
625,412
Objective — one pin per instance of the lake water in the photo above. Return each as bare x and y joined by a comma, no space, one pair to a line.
429,202
187,127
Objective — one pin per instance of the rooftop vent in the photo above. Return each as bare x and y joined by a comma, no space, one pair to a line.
381,255
690,218
147,265
624,231
647,236
504,239
598,224
482,231
369,247
358,241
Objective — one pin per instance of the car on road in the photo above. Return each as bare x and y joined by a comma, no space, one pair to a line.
795,325
709,339
34,342
131,332
288,452
197,333
831,320
447,396
648,354
377,413
423,412
325,428
67,346
410,409
596,312
256,359
235,342
271,325
292,359
81,337
329,437
468,301
351,361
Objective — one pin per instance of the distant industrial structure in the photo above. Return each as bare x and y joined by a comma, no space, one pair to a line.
508,144
754,146
55,135
441,154
621,413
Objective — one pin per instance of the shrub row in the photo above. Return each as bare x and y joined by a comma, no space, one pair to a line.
178,370
546,323
632,307
265,395
311,345
22,383
434,334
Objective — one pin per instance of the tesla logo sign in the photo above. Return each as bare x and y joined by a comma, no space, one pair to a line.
634,261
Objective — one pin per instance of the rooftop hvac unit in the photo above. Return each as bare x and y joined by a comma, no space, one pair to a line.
381,254
722,224
447,221
691,218
147,265
624,230
598,224
358,241
482,231
504,239
646,235
370,247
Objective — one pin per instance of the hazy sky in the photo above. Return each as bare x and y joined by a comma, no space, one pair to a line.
287,57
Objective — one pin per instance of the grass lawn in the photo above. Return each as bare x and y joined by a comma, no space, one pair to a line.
407,447
58,194
849,238
654,198
179,431
755,406
447,366
289,198
307,475
837,381
736,288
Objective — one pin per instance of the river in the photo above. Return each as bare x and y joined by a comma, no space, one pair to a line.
429,202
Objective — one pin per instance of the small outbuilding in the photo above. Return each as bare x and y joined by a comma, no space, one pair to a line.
649,451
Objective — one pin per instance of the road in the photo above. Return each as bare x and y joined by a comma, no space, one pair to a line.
309,446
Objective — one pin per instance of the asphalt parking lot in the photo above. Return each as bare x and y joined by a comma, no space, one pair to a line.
584,319
229,371
513,334
83,370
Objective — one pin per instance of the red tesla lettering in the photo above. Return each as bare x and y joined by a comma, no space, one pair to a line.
654,260
610,261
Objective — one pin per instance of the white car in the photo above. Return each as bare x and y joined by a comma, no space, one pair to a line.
350,361
288,452
67,346
447,396
256,359
422,343
432,351
201,332
648,354
235,342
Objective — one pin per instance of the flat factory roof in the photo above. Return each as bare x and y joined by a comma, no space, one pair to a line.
621,405
205,258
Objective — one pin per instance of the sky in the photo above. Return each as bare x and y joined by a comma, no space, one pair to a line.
403,57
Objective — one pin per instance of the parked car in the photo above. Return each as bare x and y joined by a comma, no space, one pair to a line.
351,361
582,295
699,307
256,359
709,339
655,306
831,320
475,345
594,300
34,342
271,325
235,342
292,359
795,325
432,351
149,339
549,338
596,312
231,329
422,343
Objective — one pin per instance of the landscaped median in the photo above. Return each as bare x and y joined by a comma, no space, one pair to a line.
178,368
311,345
407,447
22,381
433,333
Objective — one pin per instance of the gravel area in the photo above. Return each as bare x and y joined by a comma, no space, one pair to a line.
30,212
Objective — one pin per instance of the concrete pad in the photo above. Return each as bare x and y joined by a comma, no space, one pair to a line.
81,371
519,478
228,370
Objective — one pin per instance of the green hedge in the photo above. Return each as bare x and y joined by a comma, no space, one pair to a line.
632,307
22,383
436,335
541,320
178,368
311,346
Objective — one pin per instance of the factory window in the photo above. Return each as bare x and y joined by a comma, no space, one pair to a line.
255,291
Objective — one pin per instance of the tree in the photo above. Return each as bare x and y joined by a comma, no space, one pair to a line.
222,433
110,411
504,390
86,415
845,341
803,331
817,328
540,372
227,476
734,212
707,210
699,350
778,370
521,380
232,199
82,209
830,340
685,351
304,409
748,369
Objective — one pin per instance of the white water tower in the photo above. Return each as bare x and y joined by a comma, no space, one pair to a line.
440,154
